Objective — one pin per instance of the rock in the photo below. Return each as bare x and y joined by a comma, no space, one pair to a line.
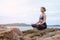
8,35
47,34
56,37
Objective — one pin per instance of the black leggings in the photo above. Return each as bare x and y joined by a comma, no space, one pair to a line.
40,27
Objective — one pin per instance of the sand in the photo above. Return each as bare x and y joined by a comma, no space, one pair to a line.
47,34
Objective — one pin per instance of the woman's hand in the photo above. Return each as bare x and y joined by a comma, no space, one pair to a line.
39,23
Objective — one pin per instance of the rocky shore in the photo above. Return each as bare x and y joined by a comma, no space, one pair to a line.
8,35
47,34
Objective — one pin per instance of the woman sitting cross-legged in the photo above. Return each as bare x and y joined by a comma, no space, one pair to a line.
41,24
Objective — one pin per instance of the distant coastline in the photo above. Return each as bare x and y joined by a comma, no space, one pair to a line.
22,24
15,24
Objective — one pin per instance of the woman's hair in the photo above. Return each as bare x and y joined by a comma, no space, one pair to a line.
44,8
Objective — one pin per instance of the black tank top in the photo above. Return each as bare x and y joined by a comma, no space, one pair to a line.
41,17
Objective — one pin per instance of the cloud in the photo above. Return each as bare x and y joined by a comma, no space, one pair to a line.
28,11
8,8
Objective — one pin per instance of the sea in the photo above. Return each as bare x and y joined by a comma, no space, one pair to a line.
24,28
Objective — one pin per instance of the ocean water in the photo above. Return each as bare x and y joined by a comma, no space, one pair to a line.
23,28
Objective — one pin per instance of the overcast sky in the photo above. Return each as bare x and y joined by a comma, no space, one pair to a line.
27,11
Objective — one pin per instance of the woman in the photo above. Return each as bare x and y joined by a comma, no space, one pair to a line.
41,24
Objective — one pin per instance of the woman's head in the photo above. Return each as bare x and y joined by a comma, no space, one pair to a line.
43,9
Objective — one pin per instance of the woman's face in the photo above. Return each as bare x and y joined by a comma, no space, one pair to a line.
42,10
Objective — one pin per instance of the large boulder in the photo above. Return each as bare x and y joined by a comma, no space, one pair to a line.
8,35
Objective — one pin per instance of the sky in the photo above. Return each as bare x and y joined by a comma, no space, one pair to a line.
28,11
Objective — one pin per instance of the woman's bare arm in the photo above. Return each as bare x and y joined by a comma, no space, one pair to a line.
42,21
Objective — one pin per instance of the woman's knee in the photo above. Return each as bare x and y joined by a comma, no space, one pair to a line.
34,25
